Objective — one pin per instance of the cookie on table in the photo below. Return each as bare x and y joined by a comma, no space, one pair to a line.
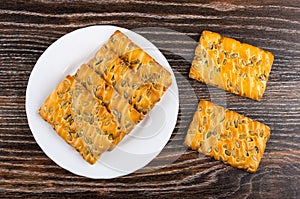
236,67
227,136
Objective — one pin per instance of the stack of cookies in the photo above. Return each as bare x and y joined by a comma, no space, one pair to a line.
97,107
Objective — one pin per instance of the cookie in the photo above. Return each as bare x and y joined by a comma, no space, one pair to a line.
125,116
73,114
236,67
227,136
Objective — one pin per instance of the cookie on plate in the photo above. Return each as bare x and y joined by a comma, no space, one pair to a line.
73,114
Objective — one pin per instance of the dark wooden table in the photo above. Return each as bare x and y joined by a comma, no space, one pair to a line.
27,28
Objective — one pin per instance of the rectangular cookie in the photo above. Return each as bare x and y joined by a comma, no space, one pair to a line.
73,114
120,43
236,67
227,136
145,67
132,72
108,65
124,114
146,82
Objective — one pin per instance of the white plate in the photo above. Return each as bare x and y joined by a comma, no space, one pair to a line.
138,148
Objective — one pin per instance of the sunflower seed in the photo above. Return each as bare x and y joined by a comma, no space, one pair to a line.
105,71
98,62
199,144
139,66
223,137
91,121
262,77
66,116
200,129
236,123
123,83
135,61
130,46
244,62
204,121
247,153
69,137
199,109
88,80
251,147
242,136
63,103
222,119
209,149
261,134
94,91
134,86
125,95
229,84
209,111
140,98
237,89
258,63
208,134
227,152
256,150
253,59
251,132
226,54
254,158
112,68
128,125
216,149
228,125
86,140
113,39
233,153
234,55
80,133
213,115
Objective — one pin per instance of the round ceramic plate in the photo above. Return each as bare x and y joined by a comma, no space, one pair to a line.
138,148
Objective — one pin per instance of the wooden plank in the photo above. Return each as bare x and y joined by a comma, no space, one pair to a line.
27,29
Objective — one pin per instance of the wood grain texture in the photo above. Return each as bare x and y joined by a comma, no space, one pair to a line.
27,28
